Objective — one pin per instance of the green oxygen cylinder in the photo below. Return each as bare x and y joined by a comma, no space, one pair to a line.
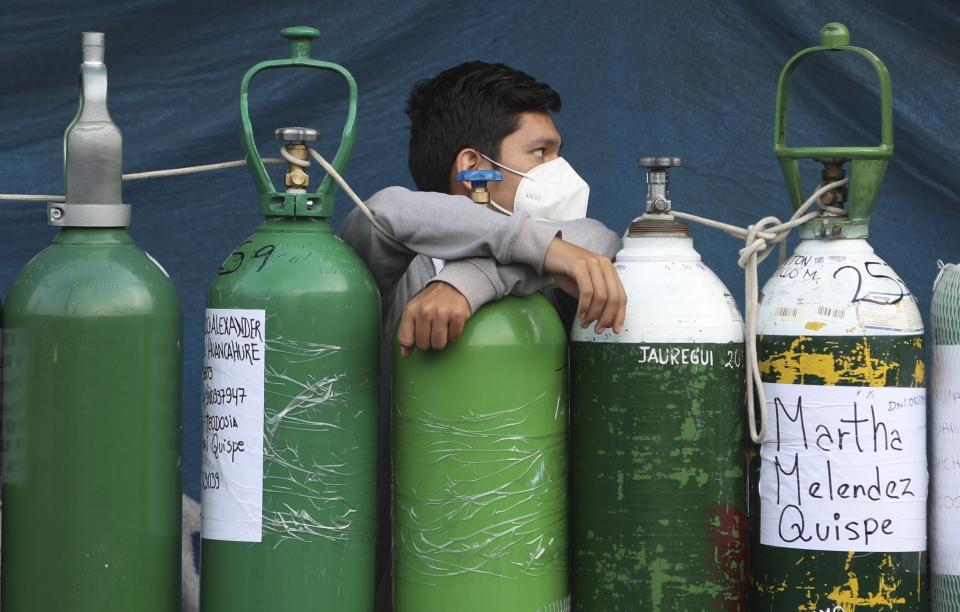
480,460
91,394
839,486
658,447
290,395
945,442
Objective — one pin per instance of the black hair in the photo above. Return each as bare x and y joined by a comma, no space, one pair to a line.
473,105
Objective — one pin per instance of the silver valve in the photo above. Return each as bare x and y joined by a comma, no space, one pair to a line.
296,139
297,134
93,152
658,182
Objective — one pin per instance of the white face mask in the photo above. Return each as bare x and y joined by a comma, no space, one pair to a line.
552,191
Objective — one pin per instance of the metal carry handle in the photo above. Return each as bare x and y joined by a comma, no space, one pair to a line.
279,203
868,163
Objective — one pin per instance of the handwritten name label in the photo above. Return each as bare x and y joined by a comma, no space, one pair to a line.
843,471
945,460
231,478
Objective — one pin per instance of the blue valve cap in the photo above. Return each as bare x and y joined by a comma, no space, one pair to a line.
479,176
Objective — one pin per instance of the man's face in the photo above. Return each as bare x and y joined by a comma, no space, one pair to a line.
536,141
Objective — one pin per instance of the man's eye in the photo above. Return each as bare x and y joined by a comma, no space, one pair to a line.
540,152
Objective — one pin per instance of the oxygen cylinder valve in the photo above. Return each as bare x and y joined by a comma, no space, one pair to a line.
478,183
296,178
93,152
657,218
833,171
658,182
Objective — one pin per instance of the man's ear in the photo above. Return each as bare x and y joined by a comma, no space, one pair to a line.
466,159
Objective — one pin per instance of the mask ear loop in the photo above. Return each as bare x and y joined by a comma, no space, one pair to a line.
501,209
508,169
496,163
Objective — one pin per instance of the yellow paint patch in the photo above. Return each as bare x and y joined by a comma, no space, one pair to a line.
919,373
815,325
857,367
848,595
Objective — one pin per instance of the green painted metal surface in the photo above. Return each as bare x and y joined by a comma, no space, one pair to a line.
868,163
658,462
282,203
91,425
481,466
322,337
797,579
945,504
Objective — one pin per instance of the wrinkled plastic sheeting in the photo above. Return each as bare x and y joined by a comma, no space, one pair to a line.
319,465
483,494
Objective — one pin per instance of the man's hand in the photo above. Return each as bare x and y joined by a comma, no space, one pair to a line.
593,279
434,317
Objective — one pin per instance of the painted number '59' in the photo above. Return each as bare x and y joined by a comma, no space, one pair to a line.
261,256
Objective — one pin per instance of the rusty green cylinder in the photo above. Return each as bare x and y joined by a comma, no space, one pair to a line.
839,484
91,454
658,451
480,450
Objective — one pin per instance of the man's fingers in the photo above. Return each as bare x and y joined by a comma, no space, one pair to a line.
455,328
405,333
599,292
422,332
585,286
614,301
438,332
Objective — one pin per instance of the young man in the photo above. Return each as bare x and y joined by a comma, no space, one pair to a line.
448,256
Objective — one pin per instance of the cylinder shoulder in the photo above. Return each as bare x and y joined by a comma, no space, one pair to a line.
670,300
839,288
513,321
92,280
299,263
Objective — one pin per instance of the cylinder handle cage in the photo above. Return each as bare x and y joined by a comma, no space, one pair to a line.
868,164
292,204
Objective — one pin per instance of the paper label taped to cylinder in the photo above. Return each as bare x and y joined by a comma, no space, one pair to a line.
844,468
231,478
945,460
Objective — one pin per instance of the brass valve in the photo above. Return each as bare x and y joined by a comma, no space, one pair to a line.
296,138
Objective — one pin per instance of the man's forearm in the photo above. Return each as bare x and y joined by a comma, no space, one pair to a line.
441,226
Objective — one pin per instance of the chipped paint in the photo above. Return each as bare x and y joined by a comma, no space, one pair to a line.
658,508
790,579
878,361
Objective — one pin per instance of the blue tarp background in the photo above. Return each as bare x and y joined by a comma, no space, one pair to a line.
693,78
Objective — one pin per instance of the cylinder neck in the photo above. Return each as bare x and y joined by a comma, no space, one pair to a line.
658,247
653,225
296,224
94,236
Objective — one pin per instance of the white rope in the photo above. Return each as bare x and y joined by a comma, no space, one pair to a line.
760,239
359,203
286,157
944,267
135,176
353,196
24,197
